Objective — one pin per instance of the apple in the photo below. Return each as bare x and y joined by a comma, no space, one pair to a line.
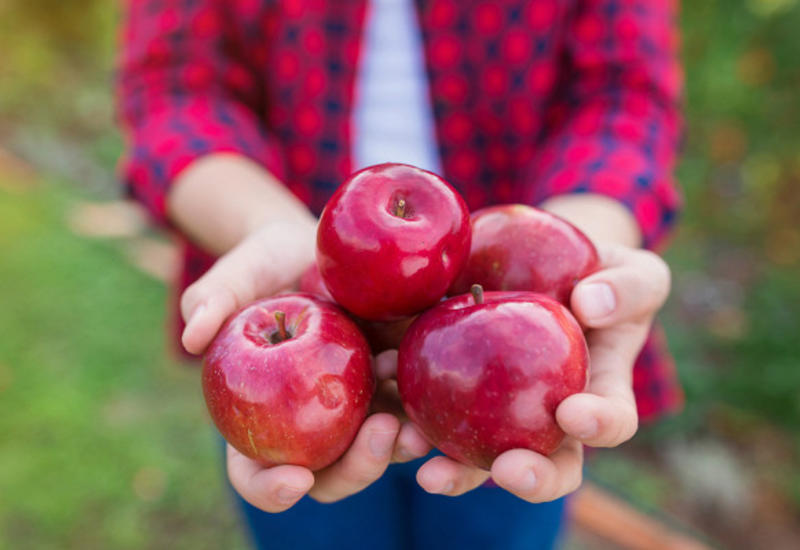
380,335
288,380
391,240
483,373
518,247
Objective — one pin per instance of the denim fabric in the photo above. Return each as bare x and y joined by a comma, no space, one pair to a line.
396,514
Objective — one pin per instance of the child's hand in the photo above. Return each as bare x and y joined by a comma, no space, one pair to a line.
617,305
266,262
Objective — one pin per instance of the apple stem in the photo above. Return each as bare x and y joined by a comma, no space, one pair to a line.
477,293
400,208
280,317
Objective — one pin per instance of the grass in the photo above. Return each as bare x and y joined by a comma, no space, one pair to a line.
105,443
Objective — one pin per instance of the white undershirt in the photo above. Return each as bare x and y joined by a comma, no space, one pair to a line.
392,119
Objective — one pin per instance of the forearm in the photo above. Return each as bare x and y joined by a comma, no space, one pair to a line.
222,198
602,219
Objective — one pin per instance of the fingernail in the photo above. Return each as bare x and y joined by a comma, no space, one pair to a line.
589,429
288,495
527,482
381,443
596,300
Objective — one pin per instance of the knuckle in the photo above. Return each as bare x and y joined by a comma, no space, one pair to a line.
626,426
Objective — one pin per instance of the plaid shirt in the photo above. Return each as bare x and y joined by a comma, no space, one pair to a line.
531,99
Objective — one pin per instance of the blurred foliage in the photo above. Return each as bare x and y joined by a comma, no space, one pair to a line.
93,411
56,64
105,443
737,257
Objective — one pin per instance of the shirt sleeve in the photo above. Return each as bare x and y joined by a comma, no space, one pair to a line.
614,126
184,90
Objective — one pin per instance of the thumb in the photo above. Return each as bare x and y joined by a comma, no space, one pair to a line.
254,269
206,304
230,284
632,286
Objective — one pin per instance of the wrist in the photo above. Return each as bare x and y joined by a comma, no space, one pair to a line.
601,218
221,199
288,244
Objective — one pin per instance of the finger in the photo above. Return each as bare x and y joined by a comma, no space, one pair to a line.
537,478
444,476
269,489
362,464
411,444
217,302
240,277
386,364
606,414
232,274
632,285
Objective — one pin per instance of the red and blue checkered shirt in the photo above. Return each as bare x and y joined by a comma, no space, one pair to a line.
531,99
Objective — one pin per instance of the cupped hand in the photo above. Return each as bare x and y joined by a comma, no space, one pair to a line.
381,440
270,260
616,305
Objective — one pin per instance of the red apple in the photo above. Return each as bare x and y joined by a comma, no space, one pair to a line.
482,374
380,335
391,240
518,247
288,380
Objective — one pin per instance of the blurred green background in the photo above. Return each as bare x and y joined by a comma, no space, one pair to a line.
105,442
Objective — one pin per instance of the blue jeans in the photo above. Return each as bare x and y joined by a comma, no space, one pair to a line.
394,513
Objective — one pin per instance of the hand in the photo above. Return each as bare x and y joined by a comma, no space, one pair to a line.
616,305
382,439
268,261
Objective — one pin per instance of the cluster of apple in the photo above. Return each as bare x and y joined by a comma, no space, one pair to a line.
289,380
